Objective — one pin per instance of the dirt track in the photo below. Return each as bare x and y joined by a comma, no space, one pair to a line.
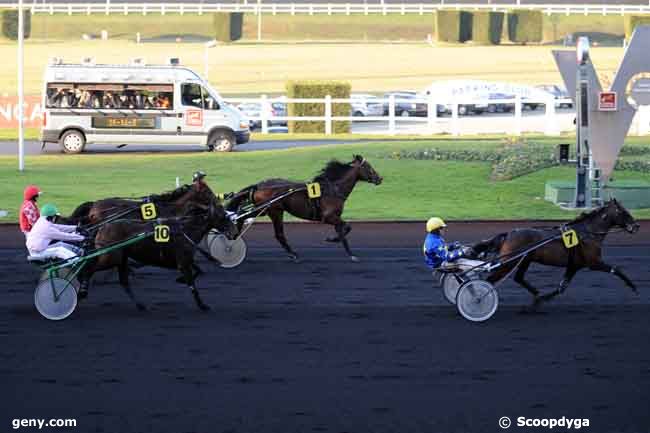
328,345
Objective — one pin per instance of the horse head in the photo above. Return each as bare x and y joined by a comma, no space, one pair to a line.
617,216
366,171
218,218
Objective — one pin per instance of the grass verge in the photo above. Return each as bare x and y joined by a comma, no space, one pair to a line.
412,189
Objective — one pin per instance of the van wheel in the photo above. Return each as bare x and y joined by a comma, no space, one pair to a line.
72,141
221,141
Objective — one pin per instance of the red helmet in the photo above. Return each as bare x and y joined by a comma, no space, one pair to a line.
31,191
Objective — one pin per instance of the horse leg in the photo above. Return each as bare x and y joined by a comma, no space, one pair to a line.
568,276
188,274
342,228
123,272
604,267
337,238
276,216
519,278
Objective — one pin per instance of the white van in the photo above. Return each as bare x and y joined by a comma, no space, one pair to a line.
123,104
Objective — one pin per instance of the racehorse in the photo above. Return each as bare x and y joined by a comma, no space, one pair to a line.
93,212
336,180
591,229
186,231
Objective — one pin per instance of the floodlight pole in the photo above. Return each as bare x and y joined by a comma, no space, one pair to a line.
583,151
21,89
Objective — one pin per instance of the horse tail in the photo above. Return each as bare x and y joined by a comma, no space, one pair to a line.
490,246
242,197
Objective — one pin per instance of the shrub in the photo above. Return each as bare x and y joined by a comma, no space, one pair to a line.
317,89
525,26
10,24
487,27
631,21
228,26
453,26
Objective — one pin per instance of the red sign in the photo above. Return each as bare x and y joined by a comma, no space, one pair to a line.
194,118
607,101
33,114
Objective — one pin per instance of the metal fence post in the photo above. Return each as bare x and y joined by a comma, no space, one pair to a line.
550,117
391,115
264,109
517,124
432,113
455,124
328,115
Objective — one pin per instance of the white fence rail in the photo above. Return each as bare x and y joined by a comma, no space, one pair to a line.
115,7
433,123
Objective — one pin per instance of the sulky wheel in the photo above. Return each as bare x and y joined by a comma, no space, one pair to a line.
230,253
55,298
477,300
450,285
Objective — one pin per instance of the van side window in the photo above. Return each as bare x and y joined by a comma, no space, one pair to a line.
191,95
209,103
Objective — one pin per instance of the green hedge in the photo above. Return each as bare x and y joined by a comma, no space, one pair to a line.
525,26
317,89
631,21
453,26
487,27
228,26
10,24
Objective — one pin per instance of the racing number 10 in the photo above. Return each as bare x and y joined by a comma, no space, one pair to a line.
161,233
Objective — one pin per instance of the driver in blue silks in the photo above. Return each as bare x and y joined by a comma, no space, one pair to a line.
438,253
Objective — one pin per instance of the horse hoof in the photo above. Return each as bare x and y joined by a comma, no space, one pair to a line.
332,239
82,294
141,307
355,259
204,307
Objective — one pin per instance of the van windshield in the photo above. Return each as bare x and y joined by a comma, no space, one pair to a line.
195,95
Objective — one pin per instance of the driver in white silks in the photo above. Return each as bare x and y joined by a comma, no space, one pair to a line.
44,232
437,253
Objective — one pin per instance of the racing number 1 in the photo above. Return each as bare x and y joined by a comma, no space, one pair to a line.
570,238
148,211
313,190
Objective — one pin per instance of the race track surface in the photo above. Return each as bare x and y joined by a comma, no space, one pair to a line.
327,345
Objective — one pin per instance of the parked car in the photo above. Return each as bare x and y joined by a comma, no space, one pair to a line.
366,105
562,97
253,110
500,107
405,108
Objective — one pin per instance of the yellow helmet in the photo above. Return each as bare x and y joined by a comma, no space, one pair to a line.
435,223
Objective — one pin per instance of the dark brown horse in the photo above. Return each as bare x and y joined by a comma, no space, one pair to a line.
591,229
93,212
186,231
336,180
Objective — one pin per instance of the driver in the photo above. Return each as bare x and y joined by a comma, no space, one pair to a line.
44,232
437,253
198,177
29,213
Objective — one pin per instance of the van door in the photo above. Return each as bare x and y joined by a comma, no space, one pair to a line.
191,115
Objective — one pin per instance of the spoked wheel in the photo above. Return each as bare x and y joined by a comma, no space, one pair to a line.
450,286
230,253
55,298
477,300
61,273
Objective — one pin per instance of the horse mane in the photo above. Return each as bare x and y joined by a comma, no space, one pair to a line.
588,215
334,170
171,195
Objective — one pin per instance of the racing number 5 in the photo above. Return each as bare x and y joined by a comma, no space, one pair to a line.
148,211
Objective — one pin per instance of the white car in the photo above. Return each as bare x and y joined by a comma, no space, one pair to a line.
363,105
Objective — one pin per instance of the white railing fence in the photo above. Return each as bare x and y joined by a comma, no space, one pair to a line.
436,117
252,6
